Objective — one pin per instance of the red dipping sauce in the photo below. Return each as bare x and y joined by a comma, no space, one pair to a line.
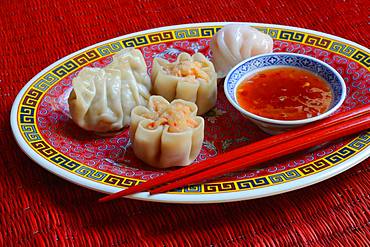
285,93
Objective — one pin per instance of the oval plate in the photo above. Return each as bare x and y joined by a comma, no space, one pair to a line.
42,127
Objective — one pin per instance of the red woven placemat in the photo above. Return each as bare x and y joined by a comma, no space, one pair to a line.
38,208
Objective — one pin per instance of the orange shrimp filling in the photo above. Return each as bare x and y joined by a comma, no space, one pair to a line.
177,116
189,70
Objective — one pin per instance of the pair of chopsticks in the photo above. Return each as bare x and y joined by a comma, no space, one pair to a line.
329,129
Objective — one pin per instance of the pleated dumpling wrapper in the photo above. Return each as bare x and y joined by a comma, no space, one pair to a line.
166,134
102,98
191,78
236,42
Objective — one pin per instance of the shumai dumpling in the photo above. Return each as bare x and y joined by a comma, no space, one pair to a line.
166,134
236,42
102,98
191,78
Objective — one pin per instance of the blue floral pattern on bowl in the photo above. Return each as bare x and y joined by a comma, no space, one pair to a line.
285,59
261,62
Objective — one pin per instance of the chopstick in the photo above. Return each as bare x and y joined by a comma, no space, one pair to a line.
240,152
298,144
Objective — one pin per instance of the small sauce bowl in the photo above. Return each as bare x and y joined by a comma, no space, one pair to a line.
259,63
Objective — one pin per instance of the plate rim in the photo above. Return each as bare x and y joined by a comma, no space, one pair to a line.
183,198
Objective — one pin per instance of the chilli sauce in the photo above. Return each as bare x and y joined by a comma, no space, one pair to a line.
285,93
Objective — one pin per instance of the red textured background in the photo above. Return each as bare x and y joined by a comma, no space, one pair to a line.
38,208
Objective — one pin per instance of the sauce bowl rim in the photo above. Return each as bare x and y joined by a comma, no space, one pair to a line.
284,122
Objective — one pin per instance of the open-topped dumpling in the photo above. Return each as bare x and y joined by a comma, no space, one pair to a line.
191,78
166,134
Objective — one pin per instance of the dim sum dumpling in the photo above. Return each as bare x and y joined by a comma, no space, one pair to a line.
236,42
191,78
166,134
102,98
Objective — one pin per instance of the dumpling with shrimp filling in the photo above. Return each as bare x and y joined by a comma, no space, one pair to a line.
166,134
235,42
191,78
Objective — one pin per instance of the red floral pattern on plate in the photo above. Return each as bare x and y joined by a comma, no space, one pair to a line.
114,154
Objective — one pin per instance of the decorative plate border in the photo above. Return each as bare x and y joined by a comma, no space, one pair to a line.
26,131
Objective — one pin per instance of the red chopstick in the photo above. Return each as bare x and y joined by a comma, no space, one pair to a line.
237,153
298,144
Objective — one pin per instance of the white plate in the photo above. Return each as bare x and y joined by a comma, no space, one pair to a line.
293,39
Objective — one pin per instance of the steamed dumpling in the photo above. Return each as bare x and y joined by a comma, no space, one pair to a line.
166,134
236,42
191,78
102,98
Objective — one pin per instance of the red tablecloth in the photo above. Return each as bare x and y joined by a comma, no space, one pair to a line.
38,208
